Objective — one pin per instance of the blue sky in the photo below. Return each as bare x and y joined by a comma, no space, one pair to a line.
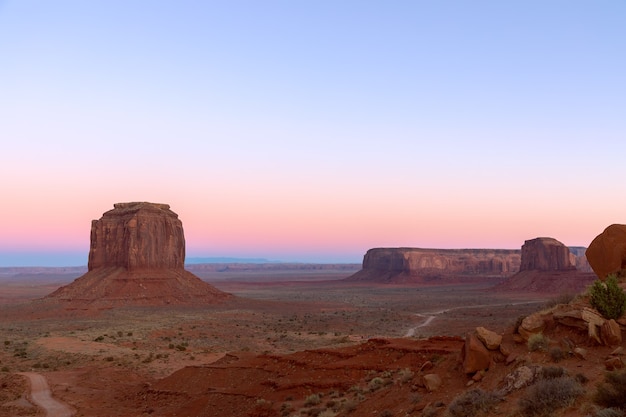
312,130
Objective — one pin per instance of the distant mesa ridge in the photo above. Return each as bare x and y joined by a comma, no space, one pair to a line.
398,265
137,257
419,265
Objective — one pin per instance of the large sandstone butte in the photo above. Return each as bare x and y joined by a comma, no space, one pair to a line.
137,257
546,254
405,265
547,267
607,252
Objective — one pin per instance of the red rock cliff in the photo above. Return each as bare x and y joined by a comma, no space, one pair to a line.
399,264
546,254
137,235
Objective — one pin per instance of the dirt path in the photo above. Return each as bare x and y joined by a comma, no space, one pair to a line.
429,317
41,396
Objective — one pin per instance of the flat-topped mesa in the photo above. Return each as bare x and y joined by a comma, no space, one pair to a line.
137,257
546,254
411,264
137,235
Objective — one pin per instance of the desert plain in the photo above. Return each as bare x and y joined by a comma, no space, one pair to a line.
95,358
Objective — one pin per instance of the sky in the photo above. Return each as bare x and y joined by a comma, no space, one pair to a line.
312,130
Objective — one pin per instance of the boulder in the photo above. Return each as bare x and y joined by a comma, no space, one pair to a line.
594,322
474,355
580,353
521,377
613,363
432,382
532,324
610,333
545,254
607,252
490,339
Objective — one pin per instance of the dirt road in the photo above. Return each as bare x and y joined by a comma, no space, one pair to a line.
41,396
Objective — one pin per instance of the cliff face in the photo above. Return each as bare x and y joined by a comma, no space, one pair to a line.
137,235
137,257
548,267
546,254
400,264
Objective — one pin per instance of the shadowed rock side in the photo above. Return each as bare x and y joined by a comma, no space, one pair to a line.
406,265
137,257
547,266
607,252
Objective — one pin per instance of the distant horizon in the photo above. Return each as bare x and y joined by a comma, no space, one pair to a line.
68,259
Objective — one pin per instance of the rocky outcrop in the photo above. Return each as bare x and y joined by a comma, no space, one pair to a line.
607,252
409,264
137,257
545,254
548,267
137,235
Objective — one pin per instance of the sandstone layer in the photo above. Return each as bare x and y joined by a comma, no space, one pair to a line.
137,257
414,264
607,252
547,266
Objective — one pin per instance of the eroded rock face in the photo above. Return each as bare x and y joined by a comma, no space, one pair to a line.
137,257
607,252
384,264
546,254
137,235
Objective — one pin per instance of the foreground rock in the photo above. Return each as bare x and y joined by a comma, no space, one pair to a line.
137,257
398,265
607,252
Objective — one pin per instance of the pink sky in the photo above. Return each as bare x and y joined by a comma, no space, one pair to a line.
418,124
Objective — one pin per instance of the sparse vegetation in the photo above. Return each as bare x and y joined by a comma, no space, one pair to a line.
472,404
612,391
313,399
538,342
556,354
549,395
608,298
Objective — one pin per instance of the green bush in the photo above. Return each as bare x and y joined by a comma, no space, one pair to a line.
472,403
538,342
548,395
608,298
612,392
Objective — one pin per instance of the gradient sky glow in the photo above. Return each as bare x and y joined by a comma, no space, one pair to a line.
312,130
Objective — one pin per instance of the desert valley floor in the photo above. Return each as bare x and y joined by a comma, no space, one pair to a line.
110,361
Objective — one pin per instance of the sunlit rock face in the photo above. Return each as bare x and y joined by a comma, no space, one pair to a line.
137,236
401,264
546,254
607,252
137,257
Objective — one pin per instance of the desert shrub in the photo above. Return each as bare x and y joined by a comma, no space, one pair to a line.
556,354
472,403
608,298
405,375
313,399
386,413
327,413
548,395
609,412
375,383
551,372
560,299
538,342
612,391
581,378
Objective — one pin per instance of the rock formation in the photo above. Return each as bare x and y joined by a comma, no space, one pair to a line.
607,252
414,264
545,254
137,257
547,266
